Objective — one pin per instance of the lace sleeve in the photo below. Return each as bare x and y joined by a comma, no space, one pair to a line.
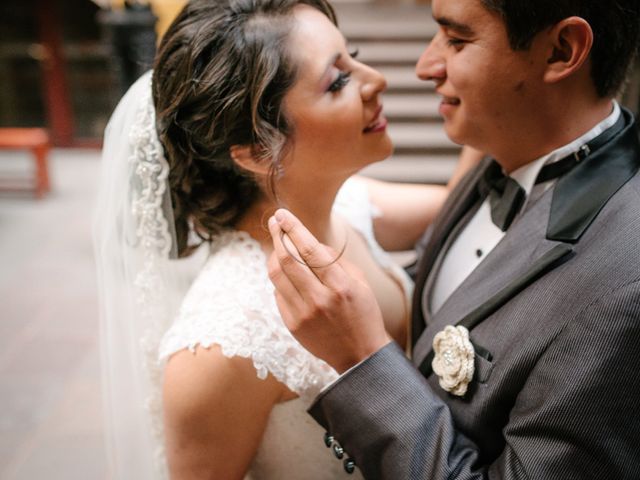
232,304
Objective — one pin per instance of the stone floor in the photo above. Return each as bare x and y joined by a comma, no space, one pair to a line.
50,411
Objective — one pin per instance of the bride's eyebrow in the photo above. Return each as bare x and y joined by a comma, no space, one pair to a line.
330,64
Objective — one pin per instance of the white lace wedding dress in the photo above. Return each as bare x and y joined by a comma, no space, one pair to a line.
231,304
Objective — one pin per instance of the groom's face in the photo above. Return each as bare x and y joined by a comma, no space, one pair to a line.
487,88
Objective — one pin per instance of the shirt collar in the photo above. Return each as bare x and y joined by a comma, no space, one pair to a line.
527,174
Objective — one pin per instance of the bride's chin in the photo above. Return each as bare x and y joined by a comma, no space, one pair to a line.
382,154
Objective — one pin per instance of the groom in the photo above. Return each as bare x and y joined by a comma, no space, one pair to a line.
526,323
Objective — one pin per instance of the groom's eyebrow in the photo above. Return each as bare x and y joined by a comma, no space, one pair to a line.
458,27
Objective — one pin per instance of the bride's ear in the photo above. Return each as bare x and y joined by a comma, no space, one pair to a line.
248,158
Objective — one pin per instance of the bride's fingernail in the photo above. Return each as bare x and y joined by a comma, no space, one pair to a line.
272,222
279,216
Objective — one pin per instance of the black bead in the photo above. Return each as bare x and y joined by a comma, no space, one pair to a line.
349,465
338,451
328,439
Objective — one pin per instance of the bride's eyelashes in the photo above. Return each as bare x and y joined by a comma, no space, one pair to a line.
340,82
343,77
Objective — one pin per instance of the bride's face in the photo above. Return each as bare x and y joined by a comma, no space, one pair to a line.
335,106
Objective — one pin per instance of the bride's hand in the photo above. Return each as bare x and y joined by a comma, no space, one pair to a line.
327,305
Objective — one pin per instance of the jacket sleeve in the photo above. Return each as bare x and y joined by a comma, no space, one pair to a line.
574,416
386,417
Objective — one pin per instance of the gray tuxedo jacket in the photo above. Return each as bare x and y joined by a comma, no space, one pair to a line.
554,316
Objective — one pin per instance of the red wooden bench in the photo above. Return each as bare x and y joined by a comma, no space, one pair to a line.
37,141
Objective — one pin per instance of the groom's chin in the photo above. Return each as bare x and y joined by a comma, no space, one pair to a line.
455,133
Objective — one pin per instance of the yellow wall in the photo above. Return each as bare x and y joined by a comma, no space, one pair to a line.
165,10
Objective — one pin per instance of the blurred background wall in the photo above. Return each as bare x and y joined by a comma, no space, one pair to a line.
65,63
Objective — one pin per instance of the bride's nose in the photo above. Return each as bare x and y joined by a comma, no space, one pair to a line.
373,83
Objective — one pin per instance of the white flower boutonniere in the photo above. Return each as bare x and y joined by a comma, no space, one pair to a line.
453,360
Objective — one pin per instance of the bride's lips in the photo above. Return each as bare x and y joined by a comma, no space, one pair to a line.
377,124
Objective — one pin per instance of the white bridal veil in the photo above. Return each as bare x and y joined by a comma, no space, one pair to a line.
140,284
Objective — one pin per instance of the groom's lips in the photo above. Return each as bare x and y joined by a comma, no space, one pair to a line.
451,100
448,103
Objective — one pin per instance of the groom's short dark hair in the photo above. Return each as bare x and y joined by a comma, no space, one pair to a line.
615,26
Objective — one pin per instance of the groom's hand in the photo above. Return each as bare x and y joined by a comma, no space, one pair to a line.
327,305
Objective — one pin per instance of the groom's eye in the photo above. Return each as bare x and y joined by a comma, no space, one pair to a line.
455,42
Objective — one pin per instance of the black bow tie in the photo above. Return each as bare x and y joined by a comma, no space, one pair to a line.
506,196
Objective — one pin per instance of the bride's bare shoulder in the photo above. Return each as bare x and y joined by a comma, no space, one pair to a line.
215,411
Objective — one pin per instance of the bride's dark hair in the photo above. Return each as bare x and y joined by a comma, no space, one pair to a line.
220,76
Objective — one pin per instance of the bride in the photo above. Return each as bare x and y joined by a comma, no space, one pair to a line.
252,105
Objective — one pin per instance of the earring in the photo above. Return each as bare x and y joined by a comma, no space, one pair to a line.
301,261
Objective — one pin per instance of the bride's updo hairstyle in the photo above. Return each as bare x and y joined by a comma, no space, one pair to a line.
220,77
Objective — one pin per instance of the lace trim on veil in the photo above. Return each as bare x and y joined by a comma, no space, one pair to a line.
153,238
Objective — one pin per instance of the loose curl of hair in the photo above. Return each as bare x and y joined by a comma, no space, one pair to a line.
220,76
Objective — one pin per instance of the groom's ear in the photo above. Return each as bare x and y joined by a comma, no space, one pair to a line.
570,42
248,158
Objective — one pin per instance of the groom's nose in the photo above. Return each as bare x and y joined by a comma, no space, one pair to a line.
431,64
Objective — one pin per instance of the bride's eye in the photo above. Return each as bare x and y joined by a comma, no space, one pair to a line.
354,52
340,82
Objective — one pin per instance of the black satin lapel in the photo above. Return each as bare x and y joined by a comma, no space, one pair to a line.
551,259
579,196
463,197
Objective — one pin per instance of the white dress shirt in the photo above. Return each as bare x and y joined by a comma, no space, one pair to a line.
481,235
